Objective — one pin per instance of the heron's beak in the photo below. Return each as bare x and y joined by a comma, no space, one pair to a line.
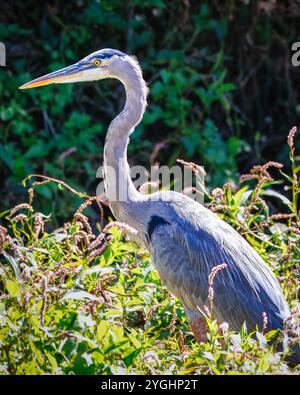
71,73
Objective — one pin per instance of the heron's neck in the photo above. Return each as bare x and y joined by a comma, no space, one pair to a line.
119,186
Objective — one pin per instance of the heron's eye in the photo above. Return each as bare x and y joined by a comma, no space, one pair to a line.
97,62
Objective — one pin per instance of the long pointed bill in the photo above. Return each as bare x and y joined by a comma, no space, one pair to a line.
67,74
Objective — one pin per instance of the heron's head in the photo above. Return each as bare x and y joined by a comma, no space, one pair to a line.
106,63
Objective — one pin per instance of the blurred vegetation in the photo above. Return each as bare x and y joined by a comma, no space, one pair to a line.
83,301
222,88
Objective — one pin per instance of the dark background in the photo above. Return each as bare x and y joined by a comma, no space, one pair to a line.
223,92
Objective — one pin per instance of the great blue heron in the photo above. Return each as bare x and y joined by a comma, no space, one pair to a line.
185,239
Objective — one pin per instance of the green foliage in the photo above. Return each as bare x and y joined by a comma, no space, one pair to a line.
60,314
80,301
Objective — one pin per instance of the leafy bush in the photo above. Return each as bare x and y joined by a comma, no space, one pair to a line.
84,301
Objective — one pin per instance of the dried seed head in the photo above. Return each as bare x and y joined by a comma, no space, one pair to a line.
14,248
153,309
26,297
260,171
247,177
277,165
20,207
294,230
3,233
30,193
206,309
81,235
224,328
173,322
290,139
84,220
37,183
265,321
84,205
196,169
211,277
88,202
218,194
219,207
38,226
67,225
257,189
280,216
98,251
44,299
20,218
214,271
66,153
26,271
295,180
121,226
99,239
210,293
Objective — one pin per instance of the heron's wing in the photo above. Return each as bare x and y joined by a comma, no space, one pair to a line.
184,257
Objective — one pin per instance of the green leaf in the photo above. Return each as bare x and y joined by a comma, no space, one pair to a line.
13,288
80,295
282,198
